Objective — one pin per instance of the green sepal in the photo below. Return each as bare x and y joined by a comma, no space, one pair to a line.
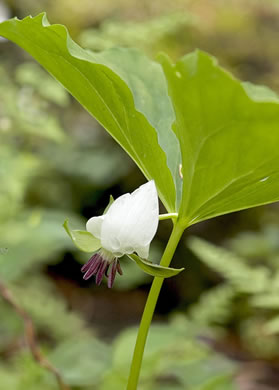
111,200
155,269
82,239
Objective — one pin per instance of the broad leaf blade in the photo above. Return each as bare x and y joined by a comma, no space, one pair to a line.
155,269
229,137
82,239
124,90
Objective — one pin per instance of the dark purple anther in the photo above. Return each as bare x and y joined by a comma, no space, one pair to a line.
119,270
99,265
92,266
89,262
101,272
112,274
93,269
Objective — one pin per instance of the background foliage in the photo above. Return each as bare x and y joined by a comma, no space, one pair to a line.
218,319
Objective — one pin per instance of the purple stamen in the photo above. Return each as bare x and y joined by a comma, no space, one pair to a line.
92,260
99,265
112,274
119,270
93,270
101,271
92,266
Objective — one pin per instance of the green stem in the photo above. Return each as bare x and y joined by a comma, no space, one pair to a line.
163,217
150,307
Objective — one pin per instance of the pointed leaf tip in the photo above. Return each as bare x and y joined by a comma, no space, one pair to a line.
111,200
155,269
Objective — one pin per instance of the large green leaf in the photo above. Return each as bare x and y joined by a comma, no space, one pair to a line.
227,130
124,90
229,137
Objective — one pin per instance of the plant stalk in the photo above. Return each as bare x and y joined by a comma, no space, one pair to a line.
163,217
150,307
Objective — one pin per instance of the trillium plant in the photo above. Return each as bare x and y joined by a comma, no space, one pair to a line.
206,143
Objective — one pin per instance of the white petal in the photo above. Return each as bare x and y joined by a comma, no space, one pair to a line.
143,251
94,226
131,221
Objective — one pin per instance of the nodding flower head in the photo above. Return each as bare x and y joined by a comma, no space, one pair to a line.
128,226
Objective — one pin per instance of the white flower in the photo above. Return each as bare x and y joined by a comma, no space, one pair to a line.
129,226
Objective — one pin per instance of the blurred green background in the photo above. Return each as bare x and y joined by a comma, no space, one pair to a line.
216,325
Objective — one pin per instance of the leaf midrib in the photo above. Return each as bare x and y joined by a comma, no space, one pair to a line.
135,156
